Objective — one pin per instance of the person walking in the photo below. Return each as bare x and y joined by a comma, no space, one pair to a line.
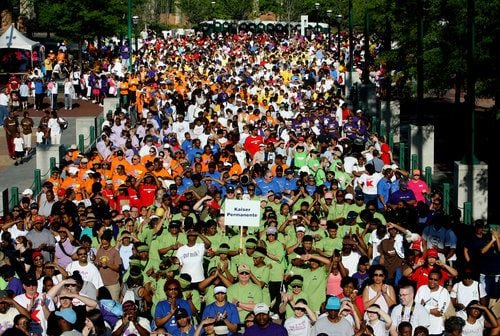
4,106
39,91
69,91
27,131
11,125
55,130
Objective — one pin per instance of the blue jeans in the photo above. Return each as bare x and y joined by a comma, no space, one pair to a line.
492,285
68,101
4,113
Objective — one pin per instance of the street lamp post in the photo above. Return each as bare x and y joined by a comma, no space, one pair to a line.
329,16
339,21
15,15
135,20
129,34
213,12
317,16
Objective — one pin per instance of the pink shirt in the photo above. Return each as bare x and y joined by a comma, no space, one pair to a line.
418,187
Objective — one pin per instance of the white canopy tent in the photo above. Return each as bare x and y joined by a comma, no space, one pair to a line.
14,39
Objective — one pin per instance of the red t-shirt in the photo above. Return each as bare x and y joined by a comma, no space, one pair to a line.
147,194
252,144
421,276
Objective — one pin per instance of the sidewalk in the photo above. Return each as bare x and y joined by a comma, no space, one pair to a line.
22,176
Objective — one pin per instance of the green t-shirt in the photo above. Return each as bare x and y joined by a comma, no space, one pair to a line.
249,293
277,267
315,287
262,273
166,239
328,245
339,211
300,159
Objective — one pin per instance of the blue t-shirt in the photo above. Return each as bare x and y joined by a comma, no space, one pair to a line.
212,310
163,308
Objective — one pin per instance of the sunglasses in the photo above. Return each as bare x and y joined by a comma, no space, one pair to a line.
378,275
296,286
244,273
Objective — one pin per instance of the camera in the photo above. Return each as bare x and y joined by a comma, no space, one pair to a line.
244,180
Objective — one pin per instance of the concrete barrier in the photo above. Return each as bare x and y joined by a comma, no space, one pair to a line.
83,127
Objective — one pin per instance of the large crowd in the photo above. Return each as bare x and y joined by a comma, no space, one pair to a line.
130,238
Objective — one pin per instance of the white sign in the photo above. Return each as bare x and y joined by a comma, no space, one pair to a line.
304,23
242,213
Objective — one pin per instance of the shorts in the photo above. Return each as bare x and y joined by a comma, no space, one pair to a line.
19,154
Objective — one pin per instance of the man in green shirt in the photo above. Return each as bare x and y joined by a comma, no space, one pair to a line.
244,293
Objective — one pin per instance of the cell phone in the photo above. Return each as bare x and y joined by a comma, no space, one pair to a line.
295,217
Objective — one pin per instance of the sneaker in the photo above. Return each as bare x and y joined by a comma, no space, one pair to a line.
16,164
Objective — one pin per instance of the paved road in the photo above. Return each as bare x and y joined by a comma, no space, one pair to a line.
22,176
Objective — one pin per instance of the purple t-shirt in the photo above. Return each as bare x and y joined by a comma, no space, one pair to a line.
16,286
272,329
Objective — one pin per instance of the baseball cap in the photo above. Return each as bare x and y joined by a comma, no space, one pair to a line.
214,205
119,153
27,192
30,281
38,219
4,293
351,216
333,303
359,195
68,314
403,183
386,167
181,313
33,206
175,224
349,196
271,230
221,330
125,207
328,195
432,253
300,229
220,289
243,268
73,170
261,308
84,160
230,189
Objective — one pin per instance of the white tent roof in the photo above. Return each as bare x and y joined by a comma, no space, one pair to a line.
14,39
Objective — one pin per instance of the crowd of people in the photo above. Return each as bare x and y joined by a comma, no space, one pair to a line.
130,238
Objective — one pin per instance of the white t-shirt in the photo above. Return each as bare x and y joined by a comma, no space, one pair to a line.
351,261
298,326
131,330
439,299
191,259
475,329
465,294
369,183
18,144
37,314
417,315
378,328
54,126
89,273
7,319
